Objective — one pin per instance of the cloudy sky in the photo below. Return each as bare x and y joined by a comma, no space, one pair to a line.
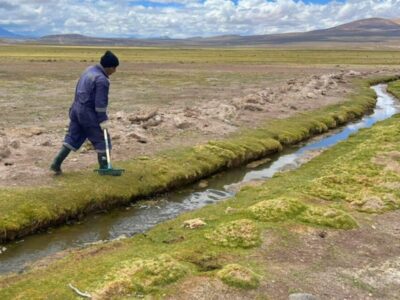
185,18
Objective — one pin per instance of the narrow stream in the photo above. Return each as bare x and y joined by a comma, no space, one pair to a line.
142,215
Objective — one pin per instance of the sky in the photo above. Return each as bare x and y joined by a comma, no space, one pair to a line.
185,18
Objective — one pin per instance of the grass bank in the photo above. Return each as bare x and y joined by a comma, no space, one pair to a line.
27,210
394,88
338,189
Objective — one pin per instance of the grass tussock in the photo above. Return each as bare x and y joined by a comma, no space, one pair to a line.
277,209
334,190
239,233
238,276
285,208
329,217
140,277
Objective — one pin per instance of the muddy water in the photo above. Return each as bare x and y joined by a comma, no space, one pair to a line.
142,215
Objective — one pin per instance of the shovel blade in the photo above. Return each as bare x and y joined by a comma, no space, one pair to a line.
110,172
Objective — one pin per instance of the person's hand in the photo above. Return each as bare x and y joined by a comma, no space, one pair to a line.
105,124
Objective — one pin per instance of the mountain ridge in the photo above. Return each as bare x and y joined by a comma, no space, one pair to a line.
364,30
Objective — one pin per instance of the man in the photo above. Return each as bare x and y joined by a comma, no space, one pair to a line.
88,113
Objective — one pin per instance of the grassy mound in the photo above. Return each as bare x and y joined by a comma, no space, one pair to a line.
240,233
277,209
141,277
328,217
238,276
286,208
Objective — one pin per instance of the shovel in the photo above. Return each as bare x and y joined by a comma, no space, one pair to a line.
110,171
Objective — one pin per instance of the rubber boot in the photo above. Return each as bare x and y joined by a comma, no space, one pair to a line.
102,158
58,160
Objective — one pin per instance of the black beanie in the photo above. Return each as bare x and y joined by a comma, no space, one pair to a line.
109,60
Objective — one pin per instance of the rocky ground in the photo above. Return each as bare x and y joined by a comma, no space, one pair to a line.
27,150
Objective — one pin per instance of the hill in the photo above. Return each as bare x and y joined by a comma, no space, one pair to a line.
367,30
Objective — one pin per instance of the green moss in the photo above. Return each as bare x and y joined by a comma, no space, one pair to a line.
141,276
285,208
240,233
238,276
329,217
280,209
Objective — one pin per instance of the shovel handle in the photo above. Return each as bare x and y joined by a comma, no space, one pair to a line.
107,149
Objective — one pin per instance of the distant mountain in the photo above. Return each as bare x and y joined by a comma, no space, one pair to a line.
366,30
77,39
8,34
367,25
68,39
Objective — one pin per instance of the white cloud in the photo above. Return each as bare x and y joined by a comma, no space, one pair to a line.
184,18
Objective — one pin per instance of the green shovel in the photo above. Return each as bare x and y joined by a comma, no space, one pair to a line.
110,171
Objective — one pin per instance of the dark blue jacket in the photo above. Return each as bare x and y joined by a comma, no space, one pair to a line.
91,96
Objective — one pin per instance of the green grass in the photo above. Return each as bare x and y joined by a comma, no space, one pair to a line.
238,276
327,191
394,88
25,210
206,55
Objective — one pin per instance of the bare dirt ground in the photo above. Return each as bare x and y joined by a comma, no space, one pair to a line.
153,107
362,263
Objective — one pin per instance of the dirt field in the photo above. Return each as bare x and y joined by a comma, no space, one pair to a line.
153,105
